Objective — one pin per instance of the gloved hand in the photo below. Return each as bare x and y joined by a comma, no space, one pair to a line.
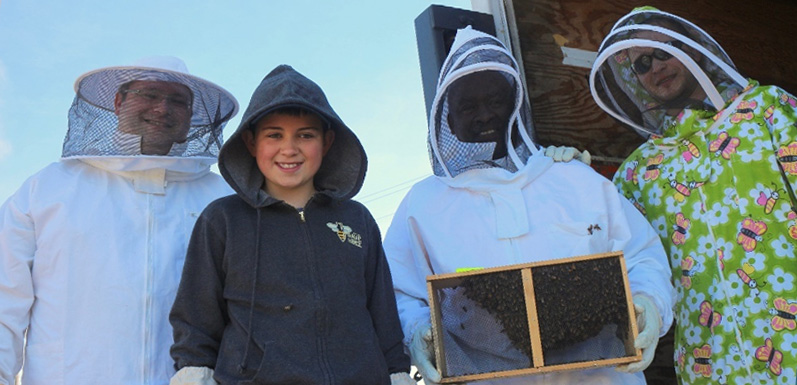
401,379
193,375
422,353
566,154
649,325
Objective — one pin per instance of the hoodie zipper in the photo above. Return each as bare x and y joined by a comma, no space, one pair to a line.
321,315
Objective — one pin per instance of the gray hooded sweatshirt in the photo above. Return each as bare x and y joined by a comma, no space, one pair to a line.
272,295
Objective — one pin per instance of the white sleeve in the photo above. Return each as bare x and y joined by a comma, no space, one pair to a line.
647,264
17,246
409,267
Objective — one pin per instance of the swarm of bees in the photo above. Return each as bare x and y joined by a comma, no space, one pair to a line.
576,300
501,294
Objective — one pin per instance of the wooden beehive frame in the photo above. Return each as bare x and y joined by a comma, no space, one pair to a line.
538,366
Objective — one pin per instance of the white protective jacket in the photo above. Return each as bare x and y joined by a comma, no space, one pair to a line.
91,254
497,213
90,263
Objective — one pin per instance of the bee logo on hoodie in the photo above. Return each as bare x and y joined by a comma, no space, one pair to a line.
345,233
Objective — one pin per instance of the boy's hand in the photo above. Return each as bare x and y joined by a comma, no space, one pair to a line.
566,154
649,324
401,379
421,353
193,375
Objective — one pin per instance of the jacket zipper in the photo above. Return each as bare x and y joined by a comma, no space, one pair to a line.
320,344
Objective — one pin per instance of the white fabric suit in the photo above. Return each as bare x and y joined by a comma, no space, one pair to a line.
513,213
94,265
91,254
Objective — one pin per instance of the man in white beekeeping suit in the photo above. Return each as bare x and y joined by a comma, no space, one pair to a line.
496,199
92,246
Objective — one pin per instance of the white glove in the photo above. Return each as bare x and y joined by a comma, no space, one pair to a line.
193,375
566,154
649,326
422,352
401,379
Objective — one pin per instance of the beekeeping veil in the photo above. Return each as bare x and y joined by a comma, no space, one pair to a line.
94,127
473,51
618,90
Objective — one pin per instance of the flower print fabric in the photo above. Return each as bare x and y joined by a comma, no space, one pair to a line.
715,179
713,188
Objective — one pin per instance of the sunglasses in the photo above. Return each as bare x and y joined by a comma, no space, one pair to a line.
642,64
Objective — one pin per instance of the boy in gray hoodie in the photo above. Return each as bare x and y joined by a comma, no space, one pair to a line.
286,281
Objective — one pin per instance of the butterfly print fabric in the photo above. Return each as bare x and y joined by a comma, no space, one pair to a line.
713,186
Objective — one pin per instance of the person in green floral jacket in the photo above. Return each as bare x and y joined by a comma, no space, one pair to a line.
716,178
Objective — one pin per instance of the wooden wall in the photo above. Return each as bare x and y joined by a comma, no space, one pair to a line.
760,36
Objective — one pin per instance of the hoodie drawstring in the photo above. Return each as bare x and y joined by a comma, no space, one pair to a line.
242,365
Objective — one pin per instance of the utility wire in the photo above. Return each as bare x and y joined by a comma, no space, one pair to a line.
390,214
390,190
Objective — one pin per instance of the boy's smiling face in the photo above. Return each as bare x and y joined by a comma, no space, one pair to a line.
289,150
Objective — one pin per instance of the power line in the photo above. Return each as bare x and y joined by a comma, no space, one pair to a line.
390,190
384,216
387,192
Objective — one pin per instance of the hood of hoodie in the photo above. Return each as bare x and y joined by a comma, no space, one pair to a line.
342,170
473,51
621,92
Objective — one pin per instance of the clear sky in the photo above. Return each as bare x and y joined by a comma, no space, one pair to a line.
362,53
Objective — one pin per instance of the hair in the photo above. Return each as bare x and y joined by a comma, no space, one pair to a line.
296,111
126,86
668,23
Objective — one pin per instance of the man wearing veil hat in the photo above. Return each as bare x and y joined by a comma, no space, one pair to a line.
92,246
496,199
716,178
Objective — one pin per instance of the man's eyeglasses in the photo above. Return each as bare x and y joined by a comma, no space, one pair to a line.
642,64
154,97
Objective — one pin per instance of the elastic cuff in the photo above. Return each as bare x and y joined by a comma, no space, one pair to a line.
414,329
665,326
192,373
